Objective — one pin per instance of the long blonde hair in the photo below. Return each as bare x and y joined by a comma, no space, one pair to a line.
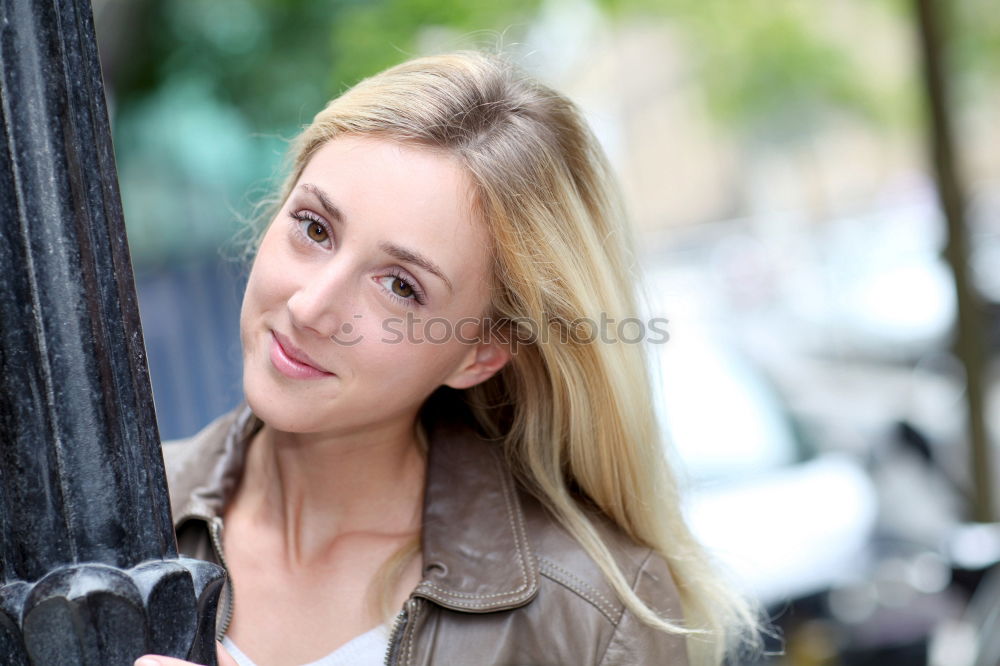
576,416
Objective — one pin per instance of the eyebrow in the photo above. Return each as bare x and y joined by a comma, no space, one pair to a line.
412,257
397,251
324,200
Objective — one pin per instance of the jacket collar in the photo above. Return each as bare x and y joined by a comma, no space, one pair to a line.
475,547
204,486
476,552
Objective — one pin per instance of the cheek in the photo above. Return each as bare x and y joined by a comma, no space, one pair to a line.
251,307
417,356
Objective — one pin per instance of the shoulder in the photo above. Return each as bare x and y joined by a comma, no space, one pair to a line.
570,577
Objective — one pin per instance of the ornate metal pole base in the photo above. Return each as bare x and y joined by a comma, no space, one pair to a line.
97,614
89,573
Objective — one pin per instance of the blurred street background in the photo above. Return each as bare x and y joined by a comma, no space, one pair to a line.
825,248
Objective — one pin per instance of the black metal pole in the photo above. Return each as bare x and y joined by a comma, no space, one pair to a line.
89,565
969,346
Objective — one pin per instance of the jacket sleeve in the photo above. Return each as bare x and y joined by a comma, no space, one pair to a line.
636,643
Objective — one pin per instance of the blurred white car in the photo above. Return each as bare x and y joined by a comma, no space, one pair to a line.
784,524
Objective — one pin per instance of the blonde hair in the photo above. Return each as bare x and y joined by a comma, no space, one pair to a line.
576,417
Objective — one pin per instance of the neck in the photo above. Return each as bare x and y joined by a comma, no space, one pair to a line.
313,489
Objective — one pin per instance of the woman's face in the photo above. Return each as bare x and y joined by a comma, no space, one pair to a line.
353,311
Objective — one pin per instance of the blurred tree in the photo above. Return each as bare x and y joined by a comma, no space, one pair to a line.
974,39
935,30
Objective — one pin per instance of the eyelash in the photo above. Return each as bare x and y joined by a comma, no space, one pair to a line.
419,297
418,294
301,216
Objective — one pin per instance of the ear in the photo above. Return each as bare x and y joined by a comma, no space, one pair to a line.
482,361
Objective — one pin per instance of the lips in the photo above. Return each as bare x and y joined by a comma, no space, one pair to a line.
291,361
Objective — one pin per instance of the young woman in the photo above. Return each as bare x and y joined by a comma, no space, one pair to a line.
443,458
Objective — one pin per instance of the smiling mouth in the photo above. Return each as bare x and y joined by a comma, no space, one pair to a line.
293,362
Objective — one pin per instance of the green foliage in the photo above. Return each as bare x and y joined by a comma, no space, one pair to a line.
975,31
776,74
269,58
770,69
371,36
278,61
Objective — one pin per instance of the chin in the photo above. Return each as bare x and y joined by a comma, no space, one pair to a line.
267,402
281,416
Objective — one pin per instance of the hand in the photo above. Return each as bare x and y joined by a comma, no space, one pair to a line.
224,658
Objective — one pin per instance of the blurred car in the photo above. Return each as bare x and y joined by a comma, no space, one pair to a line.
786,523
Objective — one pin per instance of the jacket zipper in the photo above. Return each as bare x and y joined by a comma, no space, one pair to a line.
396,635
215,530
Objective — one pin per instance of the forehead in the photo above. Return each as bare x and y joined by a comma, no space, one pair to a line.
411,195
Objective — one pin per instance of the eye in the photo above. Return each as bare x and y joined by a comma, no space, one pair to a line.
311,226
402,288
316,232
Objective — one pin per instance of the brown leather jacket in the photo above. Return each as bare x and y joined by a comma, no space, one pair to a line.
502,583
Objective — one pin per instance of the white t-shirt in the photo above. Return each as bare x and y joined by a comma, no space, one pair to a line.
368,649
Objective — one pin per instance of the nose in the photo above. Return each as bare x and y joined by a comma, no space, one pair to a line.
322,302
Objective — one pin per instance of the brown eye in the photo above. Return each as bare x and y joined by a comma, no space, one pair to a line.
401,288
317,232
